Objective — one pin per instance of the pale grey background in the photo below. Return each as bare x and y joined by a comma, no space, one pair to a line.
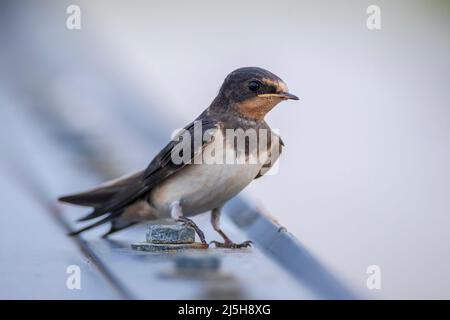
364,178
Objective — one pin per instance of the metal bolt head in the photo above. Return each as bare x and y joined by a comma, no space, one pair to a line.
170,234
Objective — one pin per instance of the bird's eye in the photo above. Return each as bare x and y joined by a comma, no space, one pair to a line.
254,86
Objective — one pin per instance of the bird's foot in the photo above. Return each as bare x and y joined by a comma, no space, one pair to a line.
189,223
232,245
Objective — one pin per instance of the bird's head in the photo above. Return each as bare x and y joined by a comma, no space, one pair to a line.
251,92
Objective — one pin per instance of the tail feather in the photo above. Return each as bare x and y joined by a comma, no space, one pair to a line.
117,226
107,200
100,195
100,222
89,199
94,214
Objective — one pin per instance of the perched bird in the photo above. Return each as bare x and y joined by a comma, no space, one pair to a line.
182,189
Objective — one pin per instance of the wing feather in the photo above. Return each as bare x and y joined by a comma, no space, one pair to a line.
112,198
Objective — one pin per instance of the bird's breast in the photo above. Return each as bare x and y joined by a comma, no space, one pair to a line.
208,184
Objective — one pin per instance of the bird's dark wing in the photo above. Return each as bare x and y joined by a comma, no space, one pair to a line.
161,167
276,146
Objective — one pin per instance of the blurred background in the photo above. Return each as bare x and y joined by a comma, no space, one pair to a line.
365,176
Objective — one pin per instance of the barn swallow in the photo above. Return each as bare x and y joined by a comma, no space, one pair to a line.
179,190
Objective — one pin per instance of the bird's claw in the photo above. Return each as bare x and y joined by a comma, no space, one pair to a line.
232,245
189,223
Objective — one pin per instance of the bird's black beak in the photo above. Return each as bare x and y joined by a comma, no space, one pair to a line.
283,95
288,95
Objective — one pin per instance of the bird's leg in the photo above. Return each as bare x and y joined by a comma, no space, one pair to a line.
176,213
215,221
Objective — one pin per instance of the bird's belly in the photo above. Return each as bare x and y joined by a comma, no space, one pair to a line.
203,187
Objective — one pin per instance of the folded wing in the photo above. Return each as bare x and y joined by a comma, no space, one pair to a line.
111,198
